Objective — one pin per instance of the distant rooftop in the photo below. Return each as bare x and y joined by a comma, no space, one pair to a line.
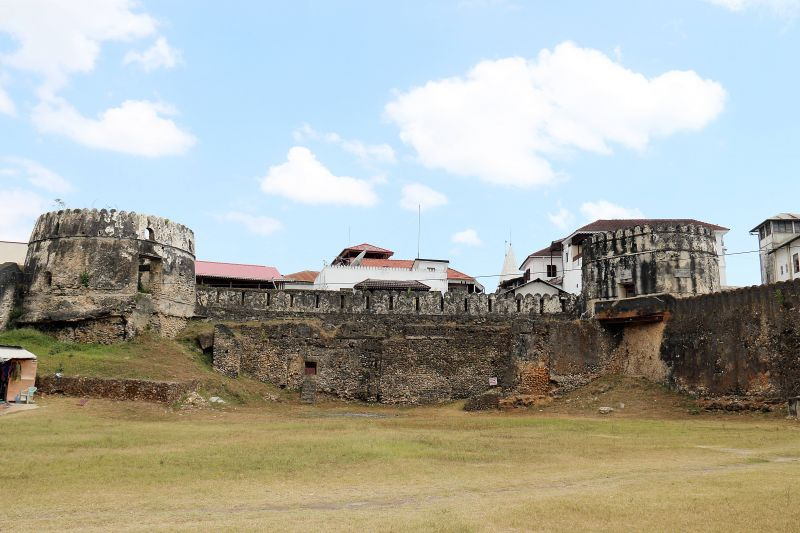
214,269
307,276
622,223
779,216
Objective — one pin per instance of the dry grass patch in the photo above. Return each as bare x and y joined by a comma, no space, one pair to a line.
127,466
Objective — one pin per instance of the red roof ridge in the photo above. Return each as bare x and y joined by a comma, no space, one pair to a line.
238,264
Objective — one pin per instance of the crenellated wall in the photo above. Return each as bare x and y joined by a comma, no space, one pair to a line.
678,260
253,304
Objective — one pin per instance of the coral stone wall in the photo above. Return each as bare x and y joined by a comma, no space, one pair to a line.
744,342
680,260
10,278
87,267
409,359
254,304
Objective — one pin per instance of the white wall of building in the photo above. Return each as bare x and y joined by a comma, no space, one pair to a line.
334,278
536,287
538,266
13,252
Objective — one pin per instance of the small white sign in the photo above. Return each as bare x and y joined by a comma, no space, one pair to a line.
682,273
493,382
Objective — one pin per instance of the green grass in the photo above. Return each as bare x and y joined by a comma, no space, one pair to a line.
147,357
127,466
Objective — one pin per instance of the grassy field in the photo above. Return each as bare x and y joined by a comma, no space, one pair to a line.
338,467
656,464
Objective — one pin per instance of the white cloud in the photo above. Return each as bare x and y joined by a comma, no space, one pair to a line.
260,225
603,209
782,8
135,127
416,195
506,118
378,153
562,218
468,237
36,175
18,212
304,179
160,55
6,104
58,38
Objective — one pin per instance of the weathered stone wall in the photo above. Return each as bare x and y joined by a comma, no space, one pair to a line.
680,260
10,278
407,359
89,267
744,342
255,304
114,389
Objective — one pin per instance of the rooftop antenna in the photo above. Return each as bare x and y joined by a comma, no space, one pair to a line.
419,226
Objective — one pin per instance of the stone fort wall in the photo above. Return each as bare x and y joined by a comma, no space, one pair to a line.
743,342
103,275
679,260
253,304
413,359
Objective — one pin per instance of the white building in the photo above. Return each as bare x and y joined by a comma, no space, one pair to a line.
779,247
371,267
13,252
546,264
570,249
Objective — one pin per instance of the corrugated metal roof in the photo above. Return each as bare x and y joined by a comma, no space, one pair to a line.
235,271
391,285
7,353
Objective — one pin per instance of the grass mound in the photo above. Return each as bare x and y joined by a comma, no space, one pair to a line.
146,357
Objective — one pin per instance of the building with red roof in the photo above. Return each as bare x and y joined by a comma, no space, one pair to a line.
357,264
236,275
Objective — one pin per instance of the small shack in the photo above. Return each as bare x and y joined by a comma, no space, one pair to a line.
17,371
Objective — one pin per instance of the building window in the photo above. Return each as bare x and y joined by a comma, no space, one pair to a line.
796,261
552,271
311,368
431,269
782,226
151,235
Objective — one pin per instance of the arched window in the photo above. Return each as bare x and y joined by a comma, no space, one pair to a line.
151,235
191,246
48,279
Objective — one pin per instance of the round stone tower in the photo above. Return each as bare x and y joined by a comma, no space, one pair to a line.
105,275
677,259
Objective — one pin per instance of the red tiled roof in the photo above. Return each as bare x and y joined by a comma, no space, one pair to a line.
369,248
621,223
235,271
408,263
305,275
387,263
455,274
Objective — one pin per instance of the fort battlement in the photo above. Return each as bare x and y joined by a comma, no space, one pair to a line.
104,275
112,224
249,304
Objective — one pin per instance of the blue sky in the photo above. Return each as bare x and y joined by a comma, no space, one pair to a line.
277,129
